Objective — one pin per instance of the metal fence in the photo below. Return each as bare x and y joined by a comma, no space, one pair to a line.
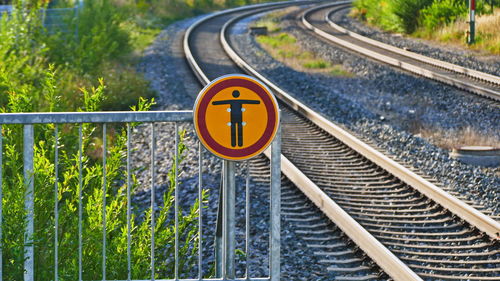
103,120
53,19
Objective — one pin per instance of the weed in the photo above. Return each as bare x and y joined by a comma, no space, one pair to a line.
450,139
316,64
68,181
442,20
284,47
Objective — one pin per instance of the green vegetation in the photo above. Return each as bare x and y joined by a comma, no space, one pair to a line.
272,20
283,47
279,40
318,64
487,35
89,65
443,20
68,194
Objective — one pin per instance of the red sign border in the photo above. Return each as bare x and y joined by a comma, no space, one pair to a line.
235,80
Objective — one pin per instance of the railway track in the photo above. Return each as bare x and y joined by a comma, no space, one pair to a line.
402,223
321,20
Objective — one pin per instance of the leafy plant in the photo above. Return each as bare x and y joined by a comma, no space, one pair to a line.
92,174
442,13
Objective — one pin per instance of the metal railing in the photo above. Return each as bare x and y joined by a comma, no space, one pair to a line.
54,19
103,119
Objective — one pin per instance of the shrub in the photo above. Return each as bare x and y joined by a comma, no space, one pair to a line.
68,183
394,15
96,37
22,60
442,13
409,15
408,12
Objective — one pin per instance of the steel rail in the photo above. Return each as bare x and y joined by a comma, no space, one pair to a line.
456,206
327,126
489,78
429,60
187,50
392,265
466,212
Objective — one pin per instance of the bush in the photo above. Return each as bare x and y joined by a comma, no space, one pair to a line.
22,60
95,38
442,13
394,15
68,185
29,83
408,13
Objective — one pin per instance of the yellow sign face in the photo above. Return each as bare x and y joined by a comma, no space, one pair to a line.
236,117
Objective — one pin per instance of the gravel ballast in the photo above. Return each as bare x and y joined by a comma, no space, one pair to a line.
383,104
379,103
164,65
467,58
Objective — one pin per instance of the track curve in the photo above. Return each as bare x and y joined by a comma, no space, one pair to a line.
430,239
321,20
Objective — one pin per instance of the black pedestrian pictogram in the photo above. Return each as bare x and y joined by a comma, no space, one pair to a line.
236,110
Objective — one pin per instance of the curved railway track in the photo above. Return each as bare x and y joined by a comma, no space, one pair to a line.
321,20
406,225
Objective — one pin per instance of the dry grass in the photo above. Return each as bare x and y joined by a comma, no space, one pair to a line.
272,20
457,138
487,33
284,48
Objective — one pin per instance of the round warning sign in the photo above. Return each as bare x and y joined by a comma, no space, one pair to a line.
236,117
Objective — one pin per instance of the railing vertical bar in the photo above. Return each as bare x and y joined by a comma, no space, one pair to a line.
129,271
104,191
275,208
176,202
247,221
200,218
153,191
80,203
56,203
29,250
1,202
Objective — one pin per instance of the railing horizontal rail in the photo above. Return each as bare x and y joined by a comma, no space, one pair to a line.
73,181
96,117
204,279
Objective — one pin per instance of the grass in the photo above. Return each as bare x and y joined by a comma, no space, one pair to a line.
487,35
272,20
281,40
443,21
317,64
140,37
449,139
284,47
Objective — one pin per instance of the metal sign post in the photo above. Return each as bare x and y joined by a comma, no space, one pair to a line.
228,210
472,22
275,230
225,225
236,118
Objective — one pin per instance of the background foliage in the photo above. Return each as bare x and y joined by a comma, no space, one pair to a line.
443,20
88,65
